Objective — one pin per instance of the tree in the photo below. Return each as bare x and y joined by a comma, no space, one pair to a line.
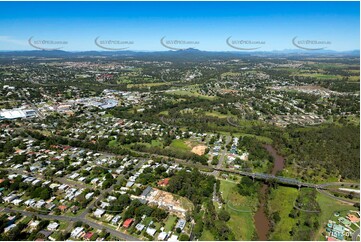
247,187
215,160
159,214
198,229
224,215
276,217
45,194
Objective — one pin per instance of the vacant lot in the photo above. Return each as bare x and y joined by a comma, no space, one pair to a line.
281,201
241,210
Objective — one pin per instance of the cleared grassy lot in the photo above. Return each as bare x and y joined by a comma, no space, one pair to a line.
191,94
206,236
170,223
281,200
180,144
241,210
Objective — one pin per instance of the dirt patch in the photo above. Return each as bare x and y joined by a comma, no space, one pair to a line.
189,143
199,149
175,204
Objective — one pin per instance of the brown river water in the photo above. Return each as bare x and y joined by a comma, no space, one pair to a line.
261,221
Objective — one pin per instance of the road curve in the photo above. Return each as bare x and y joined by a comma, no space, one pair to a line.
336,198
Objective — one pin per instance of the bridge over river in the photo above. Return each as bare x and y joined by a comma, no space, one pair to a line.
270,177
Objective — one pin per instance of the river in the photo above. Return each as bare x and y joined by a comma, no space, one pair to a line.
261,221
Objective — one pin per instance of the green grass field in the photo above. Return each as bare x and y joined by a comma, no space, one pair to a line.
241,223
113,143
180,144
206,236
165,112
170,223
191,94
281,200
218,114
157,143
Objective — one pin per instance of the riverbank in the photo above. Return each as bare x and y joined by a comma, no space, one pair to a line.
262,222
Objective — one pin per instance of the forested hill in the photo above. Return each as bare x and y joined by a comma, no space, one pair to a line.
333,147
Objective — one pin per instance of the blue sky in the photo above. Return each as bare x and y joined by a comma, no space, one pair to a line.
207,23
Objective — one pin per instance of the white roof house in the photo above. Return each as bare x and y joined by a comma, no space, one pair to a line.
116,219
162,236
173,238
10,198
89,195
140,227
10,227
73,176
53,226
75,233
34,224
151,231
17,202
99,212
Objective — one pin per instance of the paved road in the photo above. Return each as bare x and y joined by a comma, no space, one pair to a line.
344,200
45,216
113,232
337,184
355,235
222,157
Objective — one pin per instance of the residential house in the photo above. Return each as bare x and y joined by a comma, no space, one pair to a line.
99,213
88,236
140,226
162,236
17,202
173,238
52,226
181,224
76,232
151,231
128,222
10,198
10,227
116,219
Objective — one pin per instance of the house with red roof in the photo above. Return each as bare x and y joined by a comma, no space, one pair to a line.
163,182
128,222
88,235
331,239
62,208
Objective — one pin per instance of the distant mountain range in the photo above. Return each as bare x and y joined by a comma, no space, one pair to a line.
184,53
